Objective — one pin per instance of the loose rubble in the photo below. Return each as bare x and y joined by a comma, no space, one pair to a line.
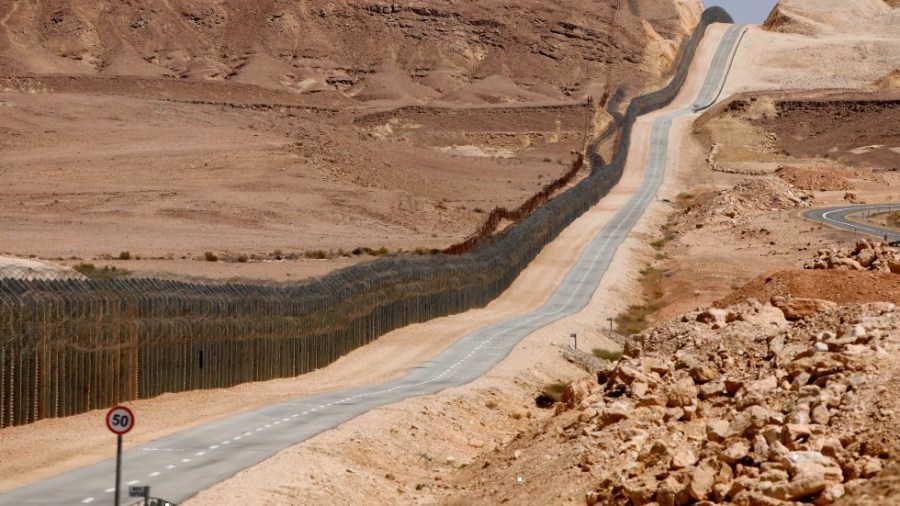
743,406
741,203
866,256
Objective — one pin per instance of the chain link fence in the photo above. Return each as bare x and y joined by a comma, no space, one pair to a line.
71,346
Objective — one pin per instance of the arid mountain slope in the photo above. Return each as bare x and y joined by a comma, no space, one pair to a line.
363,49
265,129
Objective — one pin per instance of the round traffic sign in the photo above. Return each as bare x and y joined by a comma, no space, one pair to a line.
120,420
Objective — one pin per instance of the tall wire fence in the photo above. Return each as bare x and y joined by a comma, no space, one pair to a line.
71,346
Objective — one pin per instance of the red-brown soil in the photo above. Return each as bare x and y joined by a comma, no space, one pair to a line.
839,128
842,287
817,178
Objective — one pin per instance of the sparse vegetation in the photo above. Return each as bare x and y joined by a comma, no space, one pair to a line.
107,272
893,219
125,255
316,254
209,256
516,416
609,355
659,244
634,320
243,258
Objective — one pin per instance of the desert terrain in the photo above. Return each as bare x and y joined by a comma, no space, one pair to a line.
282,138
754,355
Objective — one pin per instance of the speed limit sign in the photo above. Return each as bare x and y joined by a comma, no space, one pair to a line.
120,420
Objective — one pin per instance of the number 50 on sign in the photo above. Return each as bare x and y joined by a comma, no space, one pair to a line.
120,420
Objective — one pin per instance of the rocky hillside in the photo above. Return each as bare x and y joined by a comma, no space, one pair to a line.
752,404
486,51
831,17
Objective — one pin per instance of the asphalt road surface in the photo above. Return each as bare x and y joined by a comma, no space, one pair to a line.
179,466
840,217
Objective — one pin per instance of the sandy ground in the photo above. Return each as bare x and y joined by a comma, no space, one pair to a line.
417,461
259,127
286,478
376,459
395,352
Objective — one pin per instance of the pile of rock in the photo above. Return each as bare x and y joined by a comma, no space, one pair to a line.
866,256
741,203
741,406
385,8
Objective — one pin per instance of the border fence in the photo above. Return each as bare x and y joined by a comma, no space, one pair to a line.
71,346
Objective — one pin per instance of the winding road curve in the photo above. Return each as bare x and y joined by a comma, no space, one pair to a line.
840,217
181,465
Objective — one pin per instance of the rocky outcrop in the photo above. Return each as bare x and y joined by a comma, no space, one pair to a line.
779,415
866,256
892,80
743,202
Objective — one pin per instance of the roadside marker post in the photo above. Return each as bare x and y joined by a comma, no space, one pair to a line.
140,492
119,420
575,337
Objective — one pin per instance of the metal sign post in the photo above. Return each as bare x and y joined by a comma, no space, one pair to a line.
119,420
575,337
140,492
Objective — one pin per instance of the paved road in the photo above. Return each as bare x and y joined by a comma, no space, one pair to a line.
839,217
712,89
179,466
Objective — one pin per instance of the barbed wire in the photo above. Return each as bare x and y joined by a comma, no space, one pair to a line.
36,272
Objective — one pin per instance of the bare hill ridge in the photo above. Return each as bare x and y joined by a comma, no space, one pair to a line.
171,128
371,51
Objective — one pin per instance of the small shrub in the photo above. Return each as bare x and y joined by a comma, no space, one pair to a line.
209,256
380,252
685,196
490,405
516,416
277,254
107,272
317,254
125,255
243,259
85,268
609,355
420,486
